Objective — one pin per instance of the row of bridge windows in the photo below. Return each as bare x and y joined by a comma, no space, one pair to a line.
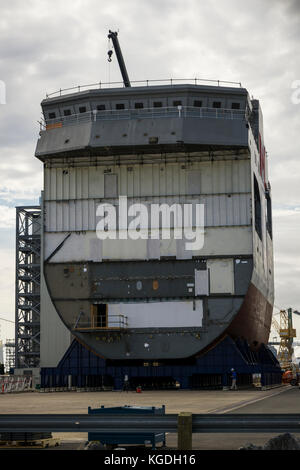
140,105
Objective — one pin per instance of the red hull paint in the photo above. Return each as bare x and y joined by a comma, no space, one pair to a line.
253,321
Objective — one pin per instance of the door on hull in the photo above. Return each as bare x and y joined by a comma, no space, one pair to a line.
99,316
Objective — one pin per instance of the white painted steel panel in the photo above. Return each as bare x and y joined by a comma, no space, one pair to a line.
147,180
227,240
80,215
221,276
73,194
153,249
194,182
55,337
96,182
181,252
111,186
95,250
201,282
76,248
124,249
160,314
168,247
87,247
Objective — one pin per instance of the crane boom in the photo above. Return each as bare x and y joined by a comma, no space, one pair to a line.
114,37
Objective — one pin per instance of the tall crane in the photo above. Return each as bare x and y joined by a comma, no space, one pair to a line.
287,334
114,37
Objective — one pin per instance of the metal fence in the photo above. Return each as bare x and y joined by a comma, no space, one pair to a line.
184,424
109,322
144,113
167,81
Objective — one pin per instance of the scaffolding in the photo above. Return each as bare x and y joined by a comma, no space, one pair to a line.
28,248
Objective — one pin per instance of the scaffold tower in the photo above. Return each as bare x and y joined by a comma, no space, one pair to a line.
28,247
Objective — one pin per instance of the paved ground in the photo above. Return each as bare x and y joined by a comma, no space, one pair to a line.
280,400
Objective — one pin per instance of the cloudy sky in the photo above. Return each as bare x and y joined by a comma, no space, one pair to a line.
46,45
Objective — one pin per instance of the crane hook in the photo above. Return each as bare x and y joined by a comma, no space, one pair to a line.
110,53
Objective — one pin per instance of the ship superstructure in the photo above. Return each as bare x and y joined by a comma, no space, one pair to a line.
157,144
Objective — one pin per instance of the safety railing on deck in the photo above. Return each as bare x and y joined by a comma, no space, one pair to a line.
102,323
145,113
167,81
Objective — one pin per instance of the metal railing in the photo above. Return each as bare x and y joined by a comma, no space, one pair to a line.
200,423
145,113
167,81
101,323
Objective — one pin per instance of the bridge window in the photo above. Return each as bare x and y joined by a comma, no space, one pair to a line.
138,105
101,107
257,209
197,104
52,115
177,103
120,106
67,112
157,104
235,105
82,109
217,104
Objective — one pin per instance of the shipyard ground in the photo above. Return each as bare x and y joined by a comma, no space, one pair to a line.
285,399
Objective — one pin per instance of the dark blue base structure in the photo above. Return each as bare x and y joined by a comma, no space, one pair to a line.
211,370
116,438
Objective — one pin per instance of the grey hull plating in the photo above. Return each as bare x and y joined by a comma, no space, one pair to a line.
73,292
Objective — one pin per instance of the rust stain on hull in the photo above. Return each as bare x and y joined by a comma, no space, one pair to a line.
253,321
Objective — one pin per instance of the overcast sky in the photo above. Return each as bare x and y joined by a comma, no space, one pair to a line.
46,45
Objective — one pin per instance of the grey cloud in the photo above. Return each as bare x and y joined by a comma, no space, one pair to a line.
47,45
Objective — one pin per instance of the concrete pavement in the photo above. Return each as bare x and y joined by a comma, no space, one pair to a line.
285,399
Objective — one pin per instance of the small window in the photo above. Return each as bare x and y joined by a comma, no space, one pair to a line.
157,104
101,107
235,105
82,109
67,112
177,103
197,104
217,104
138,105
120,106
52,115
